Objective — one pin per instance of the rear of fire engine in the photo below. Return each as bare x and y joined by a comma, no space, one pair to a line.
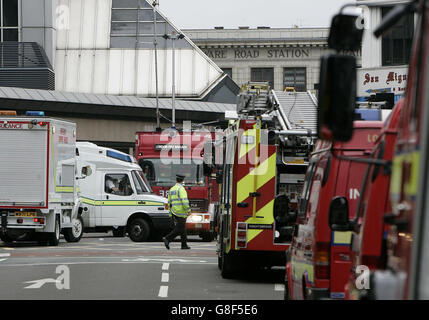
261,163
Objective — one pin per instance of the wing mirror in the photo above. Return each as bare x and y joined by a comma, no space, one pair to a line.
339,215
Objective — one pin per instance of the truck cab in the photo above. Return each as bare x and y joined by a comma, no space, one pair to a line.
115,195
318,262
162,155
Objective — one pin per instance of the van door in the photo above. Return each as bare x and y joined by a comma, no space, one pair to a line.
118,199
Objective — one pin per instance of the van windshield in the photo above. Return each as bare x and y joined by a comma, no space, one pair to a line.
164,174
140,182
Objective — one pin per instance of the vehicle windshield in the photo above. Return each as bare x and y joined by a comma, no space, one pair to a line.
164,174
140,182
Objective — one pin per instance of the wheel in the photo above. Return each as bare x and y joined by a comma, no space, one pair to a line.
227,270
54,237
5,238
207,236
286,292
119,232
74,234
138,230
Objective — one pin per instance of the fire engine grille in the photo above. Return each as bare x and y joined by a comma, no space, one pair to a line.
198,205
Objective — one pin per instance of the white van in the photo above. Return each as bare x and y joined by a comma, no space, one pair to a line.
115,195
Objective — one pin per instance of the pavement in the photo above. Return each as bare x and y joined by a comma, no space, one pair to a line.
102,267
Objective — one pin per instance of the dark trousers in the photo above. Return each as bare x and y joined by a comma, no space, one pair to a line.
179,229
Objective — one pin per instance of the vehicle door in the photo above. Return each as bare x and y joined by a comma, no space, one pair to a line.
119,198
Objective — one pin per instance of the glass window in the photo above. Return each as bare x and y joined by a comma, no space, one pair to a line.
139,183
164,174
228,71
10,13
296,78
9,22
396,44
124,15
118,184
263,75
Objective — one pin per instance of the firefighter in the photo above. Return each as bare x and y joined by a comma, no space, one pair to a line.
179,208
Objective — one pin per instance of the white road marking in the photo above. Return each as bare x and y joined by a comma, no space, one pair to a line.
163,260
2,260
37,284
165,266
163,292
165,277
279,287
4,254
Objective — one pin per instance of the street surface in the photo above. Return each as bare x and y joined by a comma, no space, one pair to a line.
103,267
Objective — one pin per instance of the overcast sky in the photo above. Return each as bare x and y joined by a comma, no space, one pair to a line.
188,14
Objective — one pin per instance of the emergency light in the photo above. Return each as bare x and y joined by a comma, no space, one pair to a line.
35,114
118,156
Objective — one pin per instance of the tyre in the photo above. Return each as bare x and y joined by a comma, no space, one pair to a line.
54,237
119,232
207,236
227,270
74,234
138,230
5,238
286,292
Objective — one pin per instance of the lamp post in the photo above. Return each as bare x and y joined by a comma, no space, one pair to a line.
155,44
173,37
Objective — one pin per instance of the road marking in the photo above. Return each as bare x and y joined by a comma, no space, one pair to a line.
2,260
279,287
8,248
165,277
37,284
165,266
163,292
163,260
4,254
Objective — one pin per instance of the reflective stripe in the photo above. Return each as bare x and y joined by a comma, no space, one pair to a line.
121,203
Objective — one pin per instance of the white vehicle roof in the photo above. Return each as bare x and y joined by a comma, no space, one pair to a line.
106,158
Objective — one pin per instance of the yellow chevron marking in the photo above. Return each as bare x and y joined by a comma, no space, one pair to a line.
267,213
265,172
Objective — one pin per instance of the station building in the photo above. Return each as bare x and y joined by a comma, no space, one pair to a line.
95,62
285,57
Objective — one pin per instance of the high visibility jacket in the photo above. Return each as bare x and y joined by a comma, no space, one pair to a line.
178,203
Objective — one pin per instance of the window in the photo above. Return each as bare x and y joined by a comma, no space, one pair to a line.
118,184
296,78
263,75
139,182
396,44
133,26
9,23
163,173
228,71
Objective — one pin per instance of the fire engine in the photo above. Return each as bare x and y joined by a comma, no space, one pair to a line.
163,154
264,159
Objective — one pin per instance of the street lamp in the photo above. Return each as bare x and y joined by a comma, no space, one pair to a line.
173,37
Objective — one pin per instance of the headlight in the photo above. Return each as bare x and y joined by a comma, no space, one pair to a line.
196,218
166,206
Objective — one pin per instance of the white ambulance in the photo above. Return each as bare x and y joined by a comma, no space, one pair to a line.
115,195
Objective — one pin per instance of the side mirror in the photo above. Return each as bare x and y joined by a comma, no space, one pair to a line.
339,214
219,176
337,97
207,170
345,33
85,172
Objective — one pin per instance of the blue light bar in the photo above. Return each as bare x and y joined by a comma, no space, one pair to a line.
369,114
118,156
35,113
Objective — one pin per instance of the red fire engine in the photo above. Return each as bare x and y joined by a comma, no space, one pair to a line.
164,154
319,260
256,218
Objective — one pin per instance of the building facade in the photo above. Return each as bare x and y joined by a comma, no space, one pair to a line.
384,60
288,57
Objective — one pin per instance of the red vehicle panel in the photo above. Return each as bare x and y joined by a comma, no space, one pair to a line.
319,263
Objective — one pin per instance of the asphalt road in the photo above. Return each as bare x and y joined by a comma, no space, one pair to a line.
102,267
